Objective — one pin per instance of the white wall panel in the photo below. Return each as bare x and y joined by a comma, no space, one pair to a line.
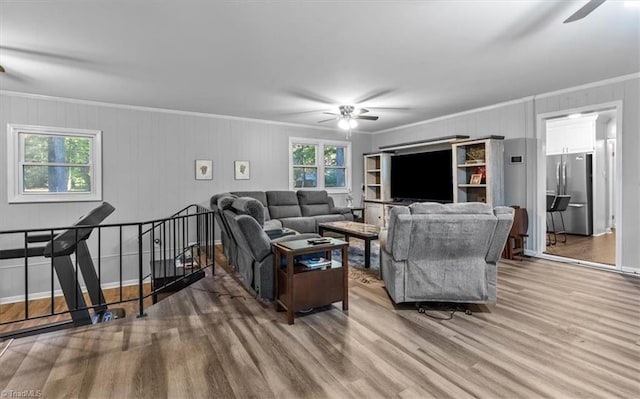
517,121
148,160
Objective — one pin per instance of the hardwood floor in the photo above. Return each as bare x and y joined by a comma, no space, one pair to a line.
556,331
15,311
600,249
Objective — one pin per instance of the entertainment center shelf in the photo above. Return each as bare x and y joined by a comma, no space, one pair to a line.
377,167
478,170
377,185
447,169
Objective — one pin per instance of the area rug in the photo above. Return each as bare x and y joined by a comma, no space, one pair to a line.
357,271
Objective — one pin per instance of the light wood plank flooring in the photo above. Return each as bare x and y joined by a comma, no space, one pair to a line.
557,331
40,307
600,249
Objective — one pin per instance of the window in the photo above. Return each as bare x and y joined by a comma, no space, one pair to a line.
47,164
320,164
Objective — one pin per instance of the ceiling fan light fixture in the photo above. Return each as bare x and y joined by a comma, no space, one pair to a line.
343,124
352,123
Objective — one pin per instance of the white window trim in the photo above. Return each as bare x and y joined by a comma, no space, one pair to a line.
320,164
14,171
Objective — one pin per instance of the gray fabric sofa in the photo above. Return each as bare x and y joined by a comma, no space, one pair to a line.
300,210
275,215
252,254
443,253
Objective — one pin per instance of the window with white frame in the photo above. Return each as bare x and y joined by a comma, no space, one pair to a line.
49,164
320,164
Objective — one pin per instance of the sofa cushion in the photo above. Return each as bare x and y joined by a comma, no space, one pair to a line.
260,196
313,203
283,204
315,209
306,197
258,243
249,206
466,208
302,224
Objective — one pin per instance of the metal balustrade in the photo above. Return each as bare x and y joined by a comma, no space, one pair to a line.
42,267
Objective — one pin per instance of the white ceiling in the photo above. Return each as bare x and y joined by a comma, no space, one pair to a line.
289,61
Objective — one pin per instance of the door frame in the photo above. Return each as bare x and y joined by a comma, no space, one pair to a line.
541,171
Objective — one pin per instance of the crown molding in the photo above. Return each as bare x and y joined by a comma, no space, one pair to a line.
591,85
162,110
461,113
618,79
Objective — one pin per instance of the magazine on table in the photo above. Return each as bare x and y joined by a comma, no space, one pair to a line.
315,263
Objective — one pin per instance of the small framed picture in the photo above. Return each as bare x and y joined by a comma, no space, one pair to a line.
476,178
241,169
204,169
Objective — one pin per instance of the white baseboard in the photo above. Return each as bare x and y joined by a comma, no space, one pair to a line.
58,292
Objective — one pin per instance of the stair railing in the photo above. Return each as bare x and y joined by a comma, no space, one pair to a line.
156,256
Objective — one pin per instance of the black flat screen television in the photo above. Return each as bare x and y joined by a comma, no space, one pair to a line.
424,176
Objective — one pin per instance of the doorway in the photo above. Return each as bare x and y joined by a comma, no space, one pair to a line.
579,185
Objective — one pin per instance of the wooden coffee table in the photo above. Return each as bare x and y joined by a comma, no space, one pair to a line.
363,231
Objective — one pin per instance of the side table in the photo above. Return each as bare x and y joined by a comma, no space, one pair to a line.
299,287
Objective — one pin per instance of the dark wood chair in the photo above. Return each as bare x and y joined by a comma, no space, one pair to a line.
517,234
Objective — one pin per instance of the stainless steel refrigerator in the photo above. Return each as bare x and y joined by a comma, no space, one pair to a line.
571,174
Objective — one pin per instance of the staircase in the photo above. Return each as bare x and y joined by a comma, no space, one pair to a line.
75,275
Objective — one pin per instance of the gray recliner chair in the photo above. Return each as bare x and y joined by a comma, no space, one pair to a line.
443,253
254,253
224,230
231,250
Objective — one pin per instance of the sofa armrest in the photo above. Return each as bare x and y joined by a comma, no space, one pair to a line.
305,236
398,232
337,209
500,234
343,210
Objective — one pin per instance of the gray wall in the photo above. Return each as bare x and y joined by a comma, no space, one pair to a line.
517,121
148,158
628,92
148,163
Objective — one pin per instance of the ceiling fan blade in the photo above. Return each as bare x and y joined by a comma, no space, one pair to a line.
366,117
392,108
371,95
311,96
327,120
42,54
330,113
585,10
360,111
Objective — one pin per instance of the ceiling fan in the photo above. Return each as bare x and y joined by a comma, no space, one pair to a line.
584,11
348,115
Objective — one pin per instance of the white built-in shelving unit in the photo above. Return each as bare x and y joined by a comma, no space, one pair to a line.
482,157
